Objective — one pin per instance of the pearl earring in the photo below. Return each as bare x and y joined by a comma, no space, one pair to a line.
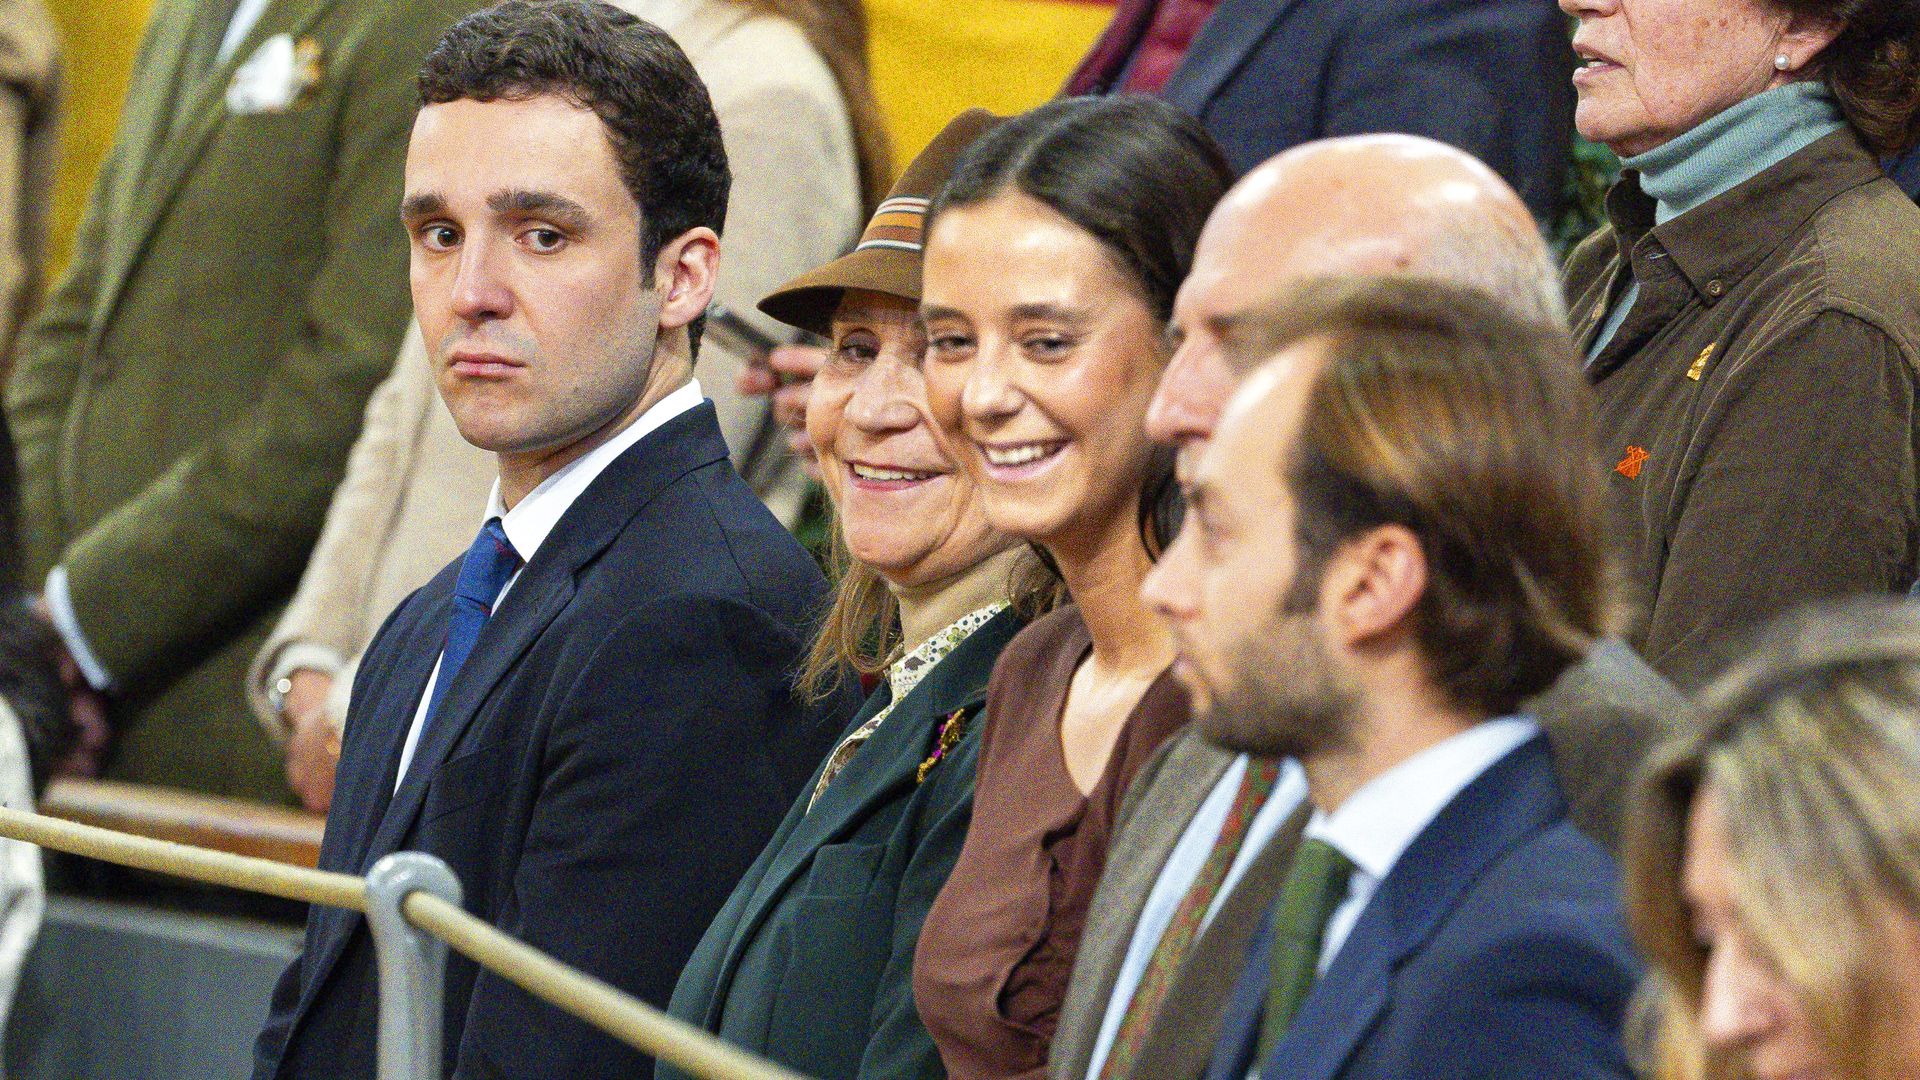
1782,62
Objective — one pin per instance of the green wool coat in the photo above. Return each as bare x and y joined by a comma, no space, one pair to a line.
810,962
184,404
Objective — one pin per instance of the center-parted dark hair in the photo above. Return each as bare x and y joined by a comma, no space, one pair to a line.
1136,174
656,111
1441,411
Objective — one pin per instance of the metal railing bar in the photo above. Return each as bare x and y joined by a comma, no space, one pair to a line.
182,860
621,1015
626,1018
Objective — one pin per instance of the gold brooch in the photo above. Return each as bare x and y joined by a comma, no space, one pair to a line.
951,732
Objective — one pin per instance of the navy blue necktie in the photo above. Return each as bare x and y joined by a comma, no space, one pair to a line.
485,570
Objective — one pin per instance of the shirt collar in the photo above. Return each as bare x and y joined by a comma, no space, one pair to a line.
1379,821
1716,244
529,522
1735,146
905,673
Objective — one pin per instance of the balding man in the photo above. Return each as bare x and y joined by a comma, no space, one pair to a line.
1206,835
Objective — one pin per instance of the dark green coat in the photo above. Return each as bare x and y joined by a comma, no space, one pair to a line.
810,962
184,404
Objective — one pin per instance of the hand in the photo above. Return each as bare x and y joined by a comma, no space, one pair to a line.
313,746
786,375
86,707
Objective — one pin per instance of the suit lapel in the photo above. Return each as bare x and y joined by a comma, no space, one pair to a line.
376,727
172,151
1202,992
891,762
596,518
1511,801
541,592
143,127
1229,35
1159,808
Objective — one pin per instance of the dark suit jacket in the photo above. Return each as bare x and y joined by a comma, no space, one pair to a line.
1159,806
1489,76
1905,171
621,742
1602,717
810,961
1494,948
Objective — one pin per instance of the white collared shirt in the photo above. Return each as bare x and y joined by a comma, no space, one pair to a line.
535,516
1377,823
244,17
1182,869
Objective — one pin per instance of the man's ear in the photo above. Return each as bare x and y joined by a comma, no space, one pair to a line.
685,272
1372,584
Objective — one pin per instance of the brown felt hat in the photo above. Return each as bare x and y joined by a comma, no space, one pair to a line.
887,259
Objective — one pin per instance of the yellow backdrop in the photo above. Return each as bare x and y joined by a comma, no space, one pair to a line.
931,59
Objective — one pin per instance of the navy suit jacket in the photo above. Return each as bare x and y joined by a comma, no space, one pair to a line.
1494,948
1492,77
619,745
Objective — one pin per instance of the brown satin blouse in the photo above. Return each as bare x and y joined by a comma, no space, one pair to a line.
995,952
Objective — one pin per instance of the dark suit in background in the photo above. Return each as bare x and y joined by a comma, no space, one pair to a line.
1494,948
1905,171
1489,76
1602,716
618,747
810,961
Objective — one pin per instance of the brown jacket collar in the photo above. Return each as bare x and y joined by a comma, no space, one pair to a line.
1736,231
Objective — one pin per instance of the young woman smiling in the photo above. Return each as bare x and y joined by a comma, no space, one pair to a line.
1052,258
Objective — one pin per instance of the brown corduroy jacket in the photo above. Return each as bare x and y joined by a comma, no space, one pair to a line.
1757,406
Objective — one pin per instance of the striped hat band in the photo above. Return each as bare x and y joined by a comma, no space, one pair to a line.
898,224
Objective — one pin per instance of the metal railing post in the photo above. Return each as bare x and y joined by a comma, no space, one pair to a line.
412,964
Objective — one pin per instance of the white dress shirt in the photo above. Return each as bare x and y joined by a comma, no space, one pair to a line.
244,17
1377,823
532,518
1182,869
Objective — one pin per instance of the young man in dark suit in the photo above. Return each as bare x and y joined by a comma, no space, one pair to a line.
1392,542
589,716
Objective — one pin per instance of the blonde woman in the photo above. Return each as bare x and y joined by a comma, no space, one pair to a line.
1774,861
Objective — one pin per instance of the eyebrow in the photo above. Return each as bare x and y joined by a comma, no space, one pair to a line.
553,206
425,204
1042,310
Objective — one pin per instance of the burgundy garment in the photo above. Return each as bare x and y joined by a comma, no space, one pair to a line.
1102,65
1175,24
994,954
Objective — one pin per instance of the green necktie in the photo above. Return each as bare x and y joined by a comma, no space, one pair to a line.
1316,884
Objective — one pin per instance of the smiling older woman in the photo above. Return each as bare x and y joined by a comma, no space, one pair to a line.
1750,315
808,961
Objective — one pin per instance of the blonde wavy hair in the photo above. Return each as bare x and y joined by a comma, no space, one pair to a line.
1812,748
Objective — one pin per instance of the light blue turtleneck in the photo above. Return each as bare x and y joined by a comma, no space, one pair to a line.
1722,153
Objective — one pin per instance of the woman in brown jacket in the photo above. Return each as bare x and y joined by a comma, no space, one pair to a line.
1751,315
1051,263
